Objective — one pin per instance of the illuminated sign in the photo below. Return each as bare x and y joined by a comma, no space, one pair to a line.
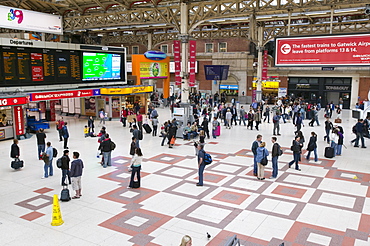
126,90
19,120
42,96
10,101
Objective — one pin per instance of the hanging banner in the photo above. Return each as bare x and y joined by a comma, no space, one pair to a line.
9,101
61,95
265,65
192,59
177,60
18,120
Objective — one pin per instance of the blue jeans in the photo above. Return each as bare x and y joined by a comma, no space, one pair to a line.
359,136
65,174
255,168
274,166
296,156
284,117
164,139
317,120
41,149
137,143
135,170
200,173
334,146
106,156
213,133
48,168
327,135
339,149
309,153
242,118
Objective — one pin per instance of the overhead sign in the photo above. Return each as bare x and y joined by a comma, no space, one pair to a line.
333,50
229,87
155,55
10,101
18,120
216,72
126,90
43,96
14,18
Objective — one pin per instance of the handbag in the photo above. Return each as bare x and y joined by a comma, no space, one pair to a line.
264,160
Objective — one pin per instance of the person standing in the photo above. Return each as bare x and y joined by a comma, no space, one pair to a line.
124,116
14,150
65,167
334,141
201,164
312,146
360,133
328,127
76,174
40,136
296,148
136,167
90,124
262,152
267,114
139,120
60,124
258,118
48,166
340,142
105,148
155,123
234,113
242,115
215,125
135,134
102,116
275,152
205,127
173,131
228,118
276,121
255,146
65,135
250,119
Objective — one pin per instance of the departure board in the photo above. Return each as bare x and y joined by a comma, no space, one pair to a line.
62,64
48,65
75,61
10,65
23,60
37,67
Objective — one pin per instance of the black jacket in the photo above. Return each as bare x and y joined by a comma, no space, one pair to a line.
312,143
105,145
14,151
65,162
296,146
275,150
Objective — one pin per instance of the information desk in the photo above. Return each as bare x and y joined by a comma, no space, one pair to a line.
6,132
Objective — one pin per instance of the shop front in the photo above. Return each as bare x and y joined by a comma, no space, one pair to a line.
270,88
229,92
130,97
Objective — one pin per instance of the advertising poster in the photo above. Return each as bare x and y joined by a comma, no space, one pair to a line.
153,70
192,60
177,60
90,106
18,120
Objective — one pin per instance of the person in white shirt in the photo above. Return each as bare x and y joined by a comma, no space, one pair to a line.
136,167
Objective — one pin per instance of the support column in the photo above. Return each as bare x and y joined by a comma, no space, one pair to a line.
260,63
150,47
184,37
289,21
331,20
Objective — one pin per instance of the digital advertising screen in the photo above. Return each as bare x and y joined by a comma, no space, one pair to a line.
101,66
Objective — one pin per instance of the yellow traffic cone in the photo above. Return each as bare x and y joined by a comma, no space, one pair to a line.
355,177
57,215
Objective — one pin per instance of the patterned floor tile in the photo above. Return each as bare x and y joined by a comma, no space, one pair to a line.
32,216
42,201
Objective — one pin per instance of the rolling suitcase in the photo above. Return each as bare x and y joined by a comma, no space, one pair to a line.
218,131
16,164
136,185
64,194
338,121
329,152
147,128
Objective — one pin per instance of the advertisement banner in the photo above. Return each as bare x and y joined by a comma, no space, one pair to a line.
42,96
177,60
153,70
20,19
265,65
10,101
282,92
192,60
334,50
18,120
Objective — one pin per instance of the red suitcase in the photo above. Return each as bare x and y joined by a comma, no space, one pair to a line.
218,131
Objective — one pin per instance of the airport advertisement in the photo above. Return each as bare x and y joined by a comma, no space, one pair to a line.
333,50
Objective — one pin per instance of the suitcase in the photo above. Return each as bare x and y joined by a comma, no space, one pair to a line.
218,131
64,194
147,128
136,184
338,121
16,164
329,152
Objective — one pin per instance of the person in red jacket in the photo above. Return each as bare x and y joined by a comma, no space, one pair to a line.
124,116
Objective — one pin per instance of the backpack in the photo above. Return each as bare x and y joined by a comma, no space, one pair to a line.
112,145
59,162
280,150
64,194
55,152
275,119
207,159
140,135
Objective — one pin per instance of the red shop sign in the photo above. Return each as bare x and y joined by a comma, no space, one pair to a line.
10,101
323,50
19,120
177,59
42,96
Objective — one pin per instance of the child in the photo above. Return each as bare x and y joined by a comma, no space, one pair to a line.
86,131
132,150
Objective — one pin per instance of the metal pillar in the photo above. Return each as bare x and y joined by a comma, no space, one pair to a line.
150,47
331,20
184,37
289,21
260,63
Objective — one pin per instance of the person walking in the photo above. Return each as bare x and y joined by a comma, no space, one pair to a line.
164,132
215,125
205,127
136,167
262,152
228,118
65,167
276,121
275,153
201,164
155,123
267,114
258,118
60,124
135,134
299,122
328,128
334,141
242,115
48,160
65,135
14,150
234,113
124,114
250,119
106,149
102,116
40,136
360,134
312,146
90,125
255,146
139,121
76,174
296,148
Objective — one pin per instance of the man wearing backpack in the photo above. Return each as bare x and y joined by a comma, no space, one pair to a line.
276,152
106,148
201,164
48,166
65,167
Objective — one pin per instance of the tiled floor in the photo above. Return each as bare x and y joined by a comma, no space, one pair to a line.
327,203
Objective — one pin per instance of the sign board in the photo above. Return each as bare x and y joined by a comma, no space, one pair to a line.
333,50
10,101
282,92
18,120
216,72
229,87
43,96
20,19
153,70
126,90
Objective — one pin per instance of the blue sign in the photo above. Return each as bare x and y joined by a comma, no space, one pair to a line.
216,72
96,92
229,87
155,55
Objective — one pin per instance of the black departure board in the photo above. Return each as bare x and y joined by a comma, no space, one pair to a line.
23,62
48,60
10,65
